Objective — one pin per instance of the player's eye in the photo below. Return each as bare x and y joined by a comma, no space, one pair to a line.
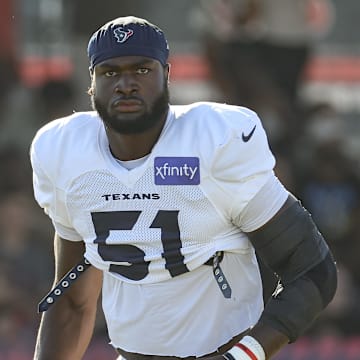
142,71
110,73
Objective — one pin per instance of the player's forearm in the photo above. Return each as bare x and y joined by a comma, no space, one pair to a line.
262,342
64,333
270,339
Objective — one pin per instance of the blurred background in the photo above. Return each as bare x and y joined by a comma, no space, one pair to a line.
295,62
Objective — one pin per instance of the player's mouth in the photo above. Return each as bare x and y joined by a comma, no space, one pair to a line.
127,105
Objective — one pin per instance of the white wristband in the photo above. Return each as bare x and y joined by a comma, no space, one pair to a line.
247,349
236,354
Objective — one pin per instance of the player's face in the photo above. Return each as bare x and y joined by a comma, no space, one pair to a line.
130,93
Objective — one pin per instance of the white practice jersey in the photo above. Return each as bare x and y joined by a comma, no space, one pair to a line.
152,228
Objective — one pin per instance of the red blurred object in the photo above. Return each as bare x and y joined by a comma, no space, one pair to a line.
35,71
332,68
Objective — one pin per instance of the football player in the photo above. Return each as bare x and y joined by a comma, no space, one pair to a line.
166,208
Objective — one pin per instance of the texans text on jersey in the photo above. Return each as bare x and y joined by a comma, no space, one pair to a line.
136,196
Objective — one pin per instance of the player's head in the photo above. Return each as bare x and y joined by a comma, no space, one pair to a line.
129,70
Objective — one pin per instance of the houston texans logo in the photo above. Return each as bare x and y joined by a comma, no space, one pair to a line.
122,35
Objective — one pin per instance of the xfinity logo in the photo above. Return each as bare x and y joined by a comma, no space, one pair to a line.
177,171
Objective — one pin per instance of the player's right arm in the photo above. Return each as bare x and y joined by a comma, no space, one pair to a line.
66,329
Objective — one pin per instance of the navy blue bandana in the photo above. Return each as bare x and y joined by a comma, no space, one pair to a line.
127,36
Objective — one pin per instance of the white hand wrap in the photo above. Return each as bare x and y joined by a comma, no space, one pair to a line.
247,349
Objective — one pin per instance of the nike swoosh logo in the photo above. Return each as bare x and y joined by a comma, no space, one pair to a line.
247,137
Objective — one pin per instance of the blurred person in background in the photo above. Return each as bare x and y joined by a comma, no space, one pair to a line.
55,98
328,181
331,192
15,170
25,268
258,50
329,185
168,204
52,99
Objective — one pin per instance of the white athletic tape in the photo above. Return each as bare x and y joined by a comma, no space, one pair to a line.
248,348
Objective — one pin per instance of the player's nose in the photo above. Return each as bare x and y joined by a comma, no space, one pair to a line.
126,84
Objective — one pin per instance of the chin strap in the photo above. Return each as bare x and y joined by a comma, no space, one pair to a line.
247,349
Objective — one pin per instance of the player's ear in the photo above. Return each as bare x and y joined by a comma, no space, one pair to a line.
91,91
167,72
91,88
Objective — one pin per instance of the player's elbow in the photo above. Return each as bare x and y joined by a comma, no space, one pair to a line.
79,306
294,308
324,276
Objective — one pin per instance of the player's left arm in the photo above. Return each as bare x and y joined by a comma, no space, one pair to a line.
282,233
292,246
